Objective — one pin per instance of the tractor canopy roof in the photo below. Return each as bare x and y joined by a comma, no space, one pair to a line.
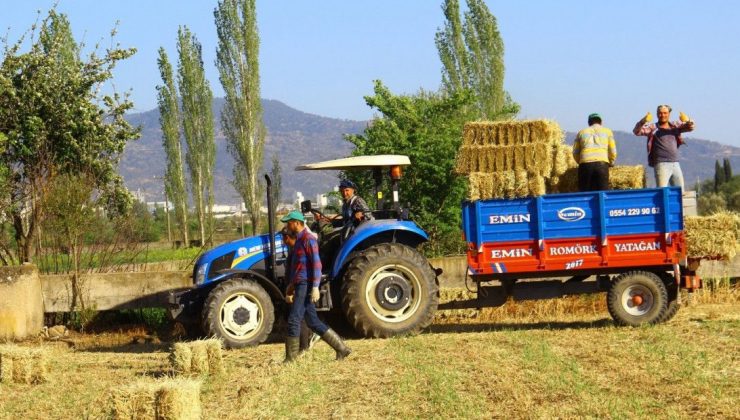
357,162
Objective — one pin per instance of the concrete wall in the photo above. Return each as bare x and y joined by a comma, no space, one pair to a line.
113,290
21,306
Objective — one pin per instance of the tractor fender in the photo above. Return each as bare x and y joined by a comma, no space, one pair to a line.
263,281
378,231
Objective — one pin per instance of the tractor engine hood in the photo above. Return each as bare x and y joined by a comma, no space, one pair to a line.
239,254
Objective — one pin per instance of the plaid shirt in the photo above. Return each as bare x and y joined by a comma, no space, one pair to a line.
305,263
649,130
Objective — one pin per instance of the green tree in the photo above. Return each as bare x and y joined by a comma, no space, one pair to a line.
428,128
197,118
726,166
472,55
277,183
237,59
711,203
169,120
719,176
56,120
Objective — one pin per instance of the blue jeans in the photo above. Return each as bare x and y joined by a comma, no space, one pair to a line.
302,307
668,172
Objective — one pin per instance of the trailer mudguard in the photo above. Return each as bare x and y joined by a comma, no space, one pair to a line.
402,231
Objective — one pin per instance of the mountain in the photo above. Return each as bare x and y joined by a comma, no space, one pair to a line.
296,137
299,137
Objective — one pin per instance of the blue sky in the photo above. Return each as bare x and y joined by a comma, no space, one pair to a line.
564,59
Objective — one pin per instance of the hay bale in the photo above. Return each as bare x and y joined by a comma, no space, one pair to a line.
181,358
199,358
479,185
626,177
23,365
178,399
135,401
537,186
510,133
563,159
6,369
521,183
712,237
215,356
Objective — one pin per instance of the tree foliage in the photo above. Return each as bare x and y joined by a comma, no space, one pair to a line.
197,119
237,59
472,55
55,120
719,176
727,167
428,128
169,119
277,184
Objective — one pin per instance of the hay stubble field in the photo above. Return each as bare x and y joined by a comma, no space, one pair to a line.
558,358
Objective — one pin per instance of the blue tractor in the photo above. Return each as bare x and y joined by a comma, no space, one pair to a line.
375,277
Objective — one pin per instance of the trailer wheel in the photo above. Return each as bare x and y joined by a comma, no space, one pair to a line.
636,298
673,306
239,312
389,289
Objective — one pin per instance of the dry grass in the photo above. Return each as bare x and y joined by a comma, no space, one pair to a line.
558,358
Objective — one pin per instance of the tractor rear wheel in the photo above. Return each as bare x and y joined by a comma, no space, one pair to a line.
239,312
636,298
389,289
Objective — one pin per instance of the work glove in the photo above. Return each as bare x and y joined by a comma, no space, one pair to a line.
315,295
290,293
683,117
648,117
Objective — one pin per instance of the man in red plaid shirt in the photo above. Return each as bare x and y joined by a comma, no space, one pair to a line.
305,268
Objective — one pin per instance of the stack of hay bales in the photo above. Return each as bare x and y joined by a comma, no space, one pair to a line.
23,365
200,357
509,159
162,399
712,237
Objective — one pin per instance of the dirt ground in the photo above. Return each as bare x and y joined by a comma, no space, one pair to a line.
558,358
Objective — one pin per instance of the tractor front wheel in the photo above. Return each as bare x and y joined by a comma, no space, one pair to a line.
239,312
389,289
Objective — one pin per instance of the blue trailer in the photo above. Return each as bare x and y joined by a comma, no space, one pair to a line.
629,243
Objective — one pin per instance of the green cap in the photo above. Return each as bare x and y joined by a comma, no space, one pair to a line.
293,215
593,116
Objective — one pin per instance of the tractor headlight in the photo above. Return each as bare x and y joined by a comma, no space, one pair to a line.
200,274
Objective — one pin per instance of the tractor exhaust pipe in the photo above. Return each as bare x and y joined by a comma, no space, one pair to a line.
271,227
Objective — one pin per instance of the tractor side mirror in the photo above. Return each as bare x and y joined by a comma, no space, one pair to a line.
305,206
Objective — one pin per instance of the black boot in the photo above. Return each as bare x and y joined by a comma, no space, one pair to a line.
335,341
291,349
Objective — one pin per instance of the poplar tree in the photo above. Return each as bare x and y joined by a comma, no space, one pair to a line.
472,55
727,169
197,118
719,175
277,183
169,119
237,60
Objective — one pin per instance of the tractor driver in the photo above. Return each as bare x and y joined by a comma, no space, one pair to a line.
354,209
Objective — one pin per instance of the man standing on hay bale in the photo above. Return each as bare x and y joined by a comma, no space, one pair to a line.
305,267
663,141
595,152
